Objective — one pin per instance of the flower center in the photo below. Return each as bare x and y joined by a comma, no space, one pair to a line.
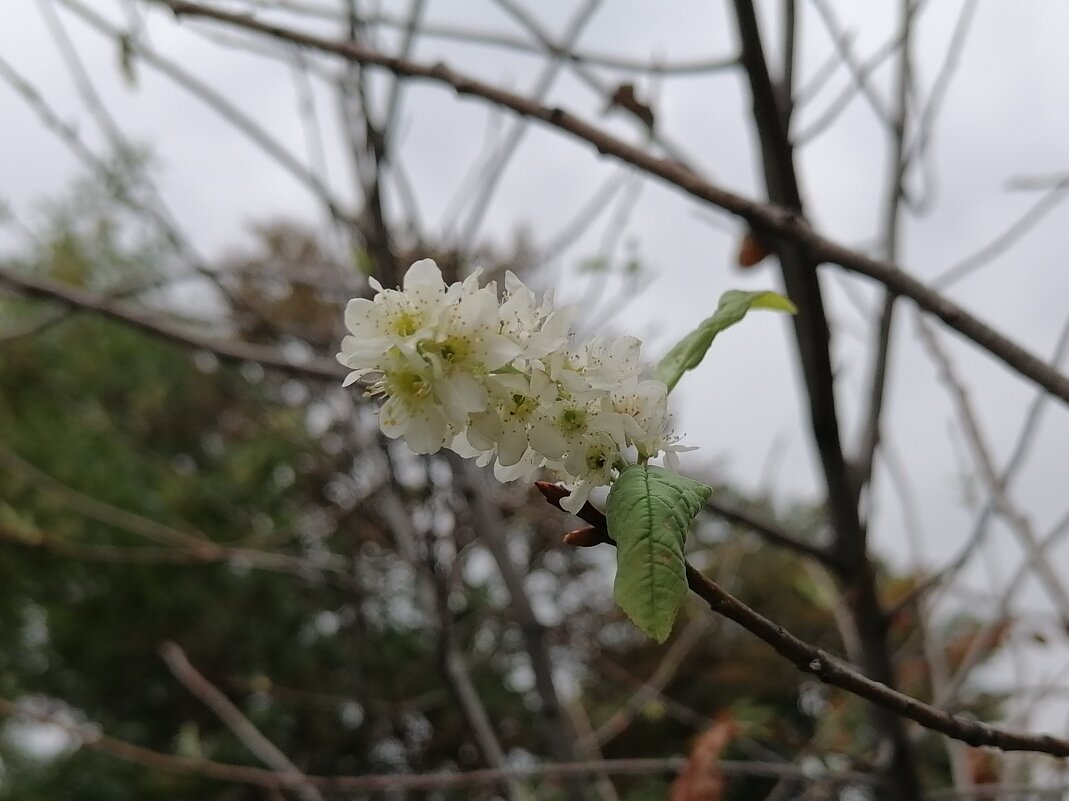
405,324
410,385
573,420
452,351
595,459
522,406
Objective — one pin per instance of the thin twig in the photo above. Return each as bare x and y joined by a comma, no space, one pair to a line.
510,142
858,72
255,558
218,103
1031,217
769,531
260,777
152,323
667,667
235,720
772,220
952,56
432,592
560,736
870,438
829,668
606,91
1016,519
103,512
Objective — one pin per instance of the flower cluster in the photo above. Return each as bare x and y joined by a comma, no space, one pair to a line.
502,381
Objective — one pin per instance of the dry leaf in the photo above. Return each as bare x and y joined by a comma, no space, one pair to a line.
751,250
984,767
701,778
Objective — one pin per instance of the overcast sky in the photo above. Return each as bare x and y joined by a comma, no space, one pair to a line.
1006,115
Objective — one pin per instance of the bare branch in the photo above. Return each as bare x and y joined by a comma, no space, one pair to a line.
870,438
251,737
770,532
1016,519
260,777
559,734
849,534
1031,217
829,668
771,220
505,41
227,110
152,323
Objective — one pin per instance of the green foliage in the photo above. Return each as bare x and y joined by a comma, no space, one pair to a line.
732,307
649,512
332,660
98,419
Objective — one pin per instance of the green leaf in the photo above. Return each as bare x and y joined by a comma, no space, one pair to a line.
363,261
649,512
733,306
595,264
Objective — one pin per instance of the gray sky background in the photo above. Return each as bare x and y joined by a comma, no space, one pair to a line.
1006,115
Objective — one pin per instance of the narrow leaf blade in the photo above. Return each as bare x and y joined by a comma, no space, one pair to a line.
732,307
649,512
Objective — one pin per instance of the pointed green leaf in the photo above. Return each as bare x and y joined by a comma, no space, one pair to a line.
649,512
733,306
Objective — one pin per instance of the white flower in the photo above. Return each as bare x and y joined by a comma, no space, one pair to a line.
644,405
592,463
644,408
515,401
412,410
609,362
393,319
462,346
539,329
500,381
560,426
600,365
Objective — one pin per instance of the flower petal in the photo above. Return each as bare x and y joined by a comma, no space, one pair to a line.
427,432
393,418
579,496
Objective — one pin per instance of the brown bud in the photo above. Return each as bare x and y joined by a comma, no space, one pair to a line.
586,537
624,97
552,492
751,250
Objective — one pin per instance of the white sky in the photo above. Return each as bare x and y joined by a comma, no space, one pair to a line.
1005,116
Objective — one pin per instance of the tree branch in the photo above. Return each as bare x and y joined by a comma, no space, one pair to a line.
770,532
261,777
850,536
770,220
212,697
827,667
228,350
559,733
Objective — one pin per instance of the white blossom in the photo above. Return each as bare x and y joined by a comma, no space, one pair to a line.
412,409
502,382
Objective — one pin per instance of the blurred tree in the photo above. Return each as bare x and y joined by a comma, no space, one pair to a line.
150,494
